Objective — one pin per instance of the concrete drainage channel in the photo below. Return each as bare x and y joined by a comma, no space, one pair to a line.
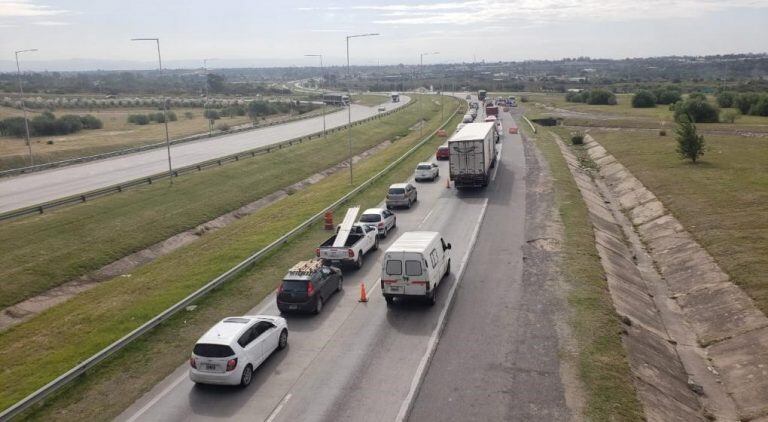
697,346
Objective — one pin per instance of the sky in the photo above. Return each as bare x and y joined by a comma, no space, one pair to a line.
90,34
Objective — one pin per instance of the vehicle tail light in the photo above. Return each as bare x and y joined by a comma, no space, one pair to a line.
350,253
192,362
280,288
310,289
317,252
231,364
381,225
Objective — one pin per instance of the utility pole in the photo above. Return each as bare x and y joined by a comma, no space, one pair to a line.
165,106
349,106
24,105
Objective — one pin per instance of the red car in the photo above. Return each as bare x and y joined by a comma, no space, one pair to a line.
443,152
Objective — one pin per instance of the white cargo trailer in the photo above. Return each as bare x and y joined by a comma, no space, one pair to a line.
472,155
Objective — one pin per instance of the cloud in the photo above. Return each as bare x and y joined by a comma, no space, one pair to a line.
511,12
330,30
25,8
50,23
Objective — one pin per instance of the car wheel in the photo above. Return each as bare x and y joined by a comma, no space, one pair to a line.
359,262
410,204
432,298
394,223
247,377
383,235
416,198
341,284
283,341
376,244
319,305
390,300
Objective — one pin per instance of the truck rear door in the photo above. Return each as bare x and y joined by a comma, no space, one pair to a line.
466,157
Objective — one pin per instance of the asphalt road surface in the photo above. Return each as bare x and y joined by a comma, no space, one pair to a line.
365,361
35,188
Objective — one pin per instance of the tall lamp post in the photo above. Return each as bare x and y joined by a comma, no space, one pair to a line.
205,104
322,92
165,106
23,104
421,73
349,106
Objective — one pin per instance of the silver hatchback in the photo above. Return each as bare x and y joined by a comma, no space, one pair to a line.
401,195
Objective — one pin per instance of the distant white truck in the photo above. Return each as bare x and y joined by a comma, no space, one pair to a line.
395,96
350,243
472,155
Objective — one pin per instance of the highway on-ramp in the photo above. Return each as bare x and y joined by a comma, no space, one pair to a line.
36,188
365,361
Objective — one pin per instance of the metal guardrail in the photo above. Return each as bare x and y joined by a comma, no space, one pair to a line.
88,158
533,128
233,272
84,197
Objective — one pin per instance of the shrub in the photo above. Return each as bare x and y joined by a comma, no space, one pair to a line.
729,116
223,127
667,95
697,96
644,99
211,114
697,110
690,145
171,116
576,97
745,101
138,119
91,122
662,132
577,138
69,123
725,99
189,115
601,96
524,99
760,108
13,126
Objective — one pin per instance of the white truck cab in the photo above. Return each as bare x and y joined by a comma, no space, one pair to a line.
414,265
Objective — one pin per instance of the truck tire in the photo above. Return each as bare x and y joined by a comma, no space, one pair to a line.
447,268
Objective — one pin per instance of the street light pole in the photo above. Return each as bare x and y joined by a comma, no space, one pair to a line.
349,106
165,106
421,73
23,104
322,91
205,104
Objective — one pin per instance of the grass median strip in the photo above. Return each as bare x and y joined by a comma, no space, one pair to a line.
64,335
41,252
603,365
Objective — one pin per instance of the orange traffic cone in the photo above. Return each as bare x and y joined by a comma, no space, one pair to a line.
363,296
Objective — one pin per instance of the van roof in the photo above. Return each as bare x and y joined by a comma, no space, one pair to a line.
473,131
413,241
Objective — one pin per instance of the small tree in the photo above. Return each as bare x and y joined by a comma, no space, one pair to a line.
690,145
725,99
729,116
644,99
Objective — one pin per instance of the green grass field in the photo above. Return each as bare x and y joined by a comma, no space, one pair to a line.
37,253
64,335
602,362
369,100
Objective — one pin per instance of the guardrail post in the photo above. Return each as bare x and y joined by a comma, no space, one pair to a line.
40,209
82,198
149,180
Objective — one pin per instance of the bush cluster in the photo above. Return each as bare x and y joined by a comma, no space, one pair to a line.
644,99
696,109
46,124
594,97
144,119
750,103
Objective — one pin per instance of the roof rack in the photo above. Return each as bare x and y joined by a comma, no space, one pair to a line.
304,268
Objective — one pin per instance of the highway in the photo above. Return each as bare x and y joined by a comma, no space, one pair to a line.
35,188
496,359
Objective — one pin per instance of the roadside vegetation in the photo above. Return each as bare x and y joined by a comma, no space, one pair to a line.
41,252
64,335
369,100
602,362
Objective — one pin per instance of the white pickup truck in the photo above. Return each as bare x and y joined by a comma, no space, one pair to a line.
350,243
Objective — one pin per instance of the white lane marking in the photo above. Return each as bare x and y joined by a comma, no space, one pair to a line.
418,377
279,407
157,398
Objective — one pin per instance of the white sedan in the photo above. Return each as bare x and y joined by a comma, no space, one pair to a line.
380,219
230,351
427,171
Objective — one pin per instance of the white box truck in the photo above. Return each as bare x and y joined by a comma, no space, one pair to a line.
414,266
472,155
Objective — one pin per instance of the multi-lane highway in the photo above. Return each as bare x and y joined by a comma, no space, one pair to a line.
35,188
496,359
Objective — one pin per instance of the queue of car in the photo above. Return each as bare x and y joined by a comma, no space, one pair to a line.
413,266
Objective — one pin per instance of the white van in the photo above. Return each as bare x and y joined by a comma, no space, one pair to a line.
414,266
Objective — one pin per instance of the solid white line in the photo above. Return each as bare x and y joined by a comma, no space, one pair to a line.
279,407
157,398
418,377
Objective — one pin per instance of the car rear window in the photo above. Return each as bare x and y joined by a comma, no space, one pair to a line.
443,148
412,268
424,167
394,267
370,218
213,350
396,191
294,285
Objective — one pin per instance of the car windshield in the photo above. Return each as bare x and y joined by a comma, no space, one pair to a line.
213,350
294,285
396,191
424,167
370,218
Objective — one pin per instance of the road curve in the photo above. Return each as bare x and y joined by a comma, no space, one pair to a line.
35,188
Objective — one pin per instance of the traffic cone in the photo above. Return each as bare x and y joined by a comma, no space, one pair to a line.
363,296
447,182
